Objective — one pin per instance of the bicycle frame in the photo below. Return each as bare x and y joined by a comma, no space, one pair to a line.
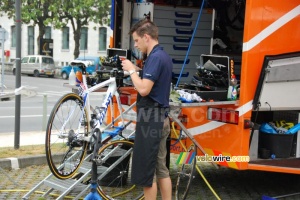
108,100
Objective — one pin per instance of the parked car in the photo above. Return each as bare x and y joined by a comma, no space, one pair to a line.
93,67
37,65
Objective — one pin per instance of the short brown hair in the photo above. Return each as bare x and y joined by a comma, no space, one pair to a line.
145,26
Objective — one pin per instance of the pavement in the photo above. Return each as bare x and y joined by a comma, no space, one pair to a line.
20,175
228,184
26,138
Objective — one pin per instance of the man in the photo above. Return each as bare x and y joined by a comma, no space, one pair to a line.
152,127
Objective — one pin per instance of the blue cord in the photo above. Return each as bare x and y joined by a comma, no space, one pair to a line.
178,139
187,53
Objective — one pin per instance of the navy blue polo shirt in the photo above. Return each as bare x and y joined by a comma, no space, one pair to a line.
158,68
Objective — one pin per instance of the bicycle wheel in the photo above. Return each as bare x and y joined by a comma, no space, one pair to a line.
185,177
114,175
66,126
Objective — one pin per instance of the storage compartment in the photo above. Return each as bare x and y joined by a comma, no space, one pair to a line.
290,143
279,145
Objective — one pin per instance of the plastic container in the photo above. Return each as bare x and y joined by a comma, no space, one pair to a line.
72,77
232,89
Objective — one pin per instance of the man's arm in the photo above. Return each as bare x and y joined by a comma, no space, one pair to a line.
143,86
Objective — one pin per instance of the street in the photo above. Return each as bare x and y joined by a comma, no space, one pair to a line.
46,92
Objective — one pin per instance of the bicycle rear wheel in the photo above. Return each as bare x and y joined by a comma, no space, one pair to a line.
67,124
114,175
185,177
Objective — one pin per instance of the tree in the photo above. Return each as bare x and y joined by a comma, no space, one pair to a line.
33,11
79,13
7,7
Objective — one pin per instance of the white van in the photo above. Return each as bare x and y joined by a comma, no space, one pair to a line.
37,65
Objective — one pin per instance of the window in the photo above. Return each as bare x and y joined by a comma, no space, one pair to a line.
102,38
32,60
47,60
30,37
24,60
13,36
47,32
65,37
84,38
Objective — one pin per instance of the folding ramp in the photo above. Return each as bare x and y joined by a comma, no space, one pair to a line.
74,186
62,188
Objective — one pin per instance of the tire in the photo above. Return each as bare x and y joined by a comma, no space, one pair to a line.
64,150
64,75
36,73
119,176
185,177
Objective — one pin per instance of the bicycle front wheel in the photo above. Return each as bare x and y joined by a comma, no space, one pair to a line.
114,175
66,127
185,176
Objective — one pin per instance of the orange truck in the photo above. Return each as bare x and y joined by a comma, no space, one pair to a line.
258,42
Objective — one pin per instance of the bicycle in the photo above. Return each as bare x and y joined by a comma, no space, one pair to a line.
74,128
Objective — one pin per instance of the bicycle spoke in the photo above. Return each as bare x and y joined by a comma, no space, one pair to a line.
64,148
185,176
114,175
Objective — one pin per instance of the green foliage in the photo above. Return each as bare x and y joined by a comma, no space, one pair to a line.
7,7
58,13
79,13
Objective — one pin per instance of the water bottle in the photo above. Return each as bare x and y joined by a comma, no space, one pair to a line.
78,78
294,129
72,77
232,89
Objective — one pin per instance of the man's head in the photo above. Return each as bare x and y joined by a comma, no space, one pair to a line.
145,26
144,34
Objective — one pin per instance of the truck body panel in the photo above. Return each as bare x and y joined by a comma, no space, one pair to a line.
270,29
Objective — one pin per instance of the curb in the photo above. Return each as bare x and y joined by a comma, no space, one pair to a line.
22,162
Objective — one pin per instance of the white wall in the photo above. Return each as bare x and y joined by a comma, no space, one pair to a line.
60,56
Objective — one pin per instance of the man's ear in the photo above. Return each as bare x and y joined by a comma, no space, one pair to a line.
147,37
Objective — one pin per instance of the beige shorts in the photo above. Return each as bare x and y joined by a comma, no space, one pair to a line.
161,170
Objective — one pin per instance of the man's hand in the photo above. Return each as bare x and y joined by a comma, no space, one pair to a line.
127,65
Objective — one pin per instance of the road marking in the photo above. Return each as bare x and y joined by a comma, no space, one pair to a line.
53,93
23,116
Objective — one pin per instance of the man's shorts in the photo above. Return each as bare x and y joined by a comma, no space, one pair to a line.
161,170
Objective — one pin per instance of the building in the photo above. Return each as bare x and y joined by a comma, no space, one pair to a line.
97,41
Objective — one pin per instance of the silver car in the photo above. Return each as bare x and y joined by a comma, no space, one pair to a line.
37,65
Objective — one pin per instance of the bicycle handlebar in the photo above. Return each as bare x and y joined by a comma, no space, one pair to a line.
115,72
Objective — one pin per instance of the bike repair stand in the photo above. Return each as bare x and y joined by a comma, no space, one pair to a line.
93,195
